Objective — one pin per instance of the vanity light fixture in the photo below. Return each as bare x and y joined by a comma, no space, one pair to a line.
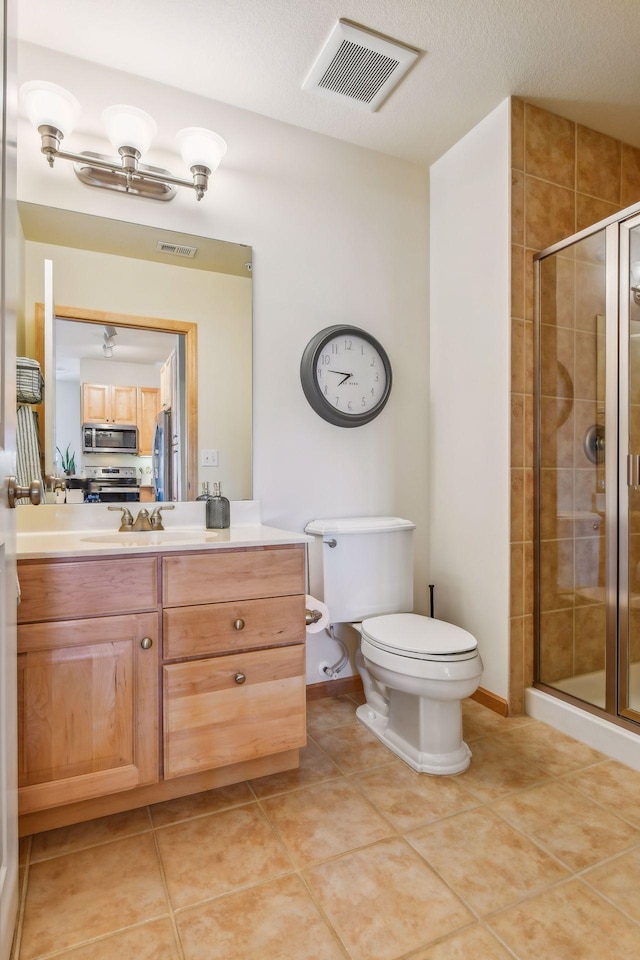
54,112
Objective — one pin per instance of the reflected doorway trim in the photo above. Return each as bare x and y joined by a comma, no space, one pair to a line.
187,329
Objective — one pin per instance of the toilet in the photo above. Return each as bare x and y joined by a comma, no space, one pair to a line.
415,670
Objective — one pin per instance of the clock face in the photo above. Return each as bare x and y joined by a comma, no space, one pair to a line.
346,375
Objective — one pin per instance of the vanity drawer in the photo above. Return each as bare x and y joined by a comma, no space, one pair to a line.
212,628
61,590
212,720
223,575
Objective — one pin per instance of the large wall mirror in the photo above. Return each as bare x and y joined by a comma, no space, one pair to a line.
144,321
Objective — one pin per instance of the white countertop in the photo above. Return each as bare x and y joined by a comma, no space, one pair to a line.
95,543
89,530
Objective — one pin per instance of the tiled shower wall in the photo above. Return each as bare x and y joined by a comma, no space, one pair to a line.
564,178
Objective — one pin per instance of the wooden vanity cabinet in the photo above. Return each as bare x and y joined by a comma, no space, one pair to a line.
239,618
87,684
219,635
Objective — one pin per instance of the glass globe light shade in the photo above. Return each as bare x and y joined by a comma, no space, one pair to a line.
48,104
129,127
200,147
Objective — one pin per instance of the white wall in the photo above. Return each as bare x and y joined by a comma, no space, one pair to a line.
469,389
339,234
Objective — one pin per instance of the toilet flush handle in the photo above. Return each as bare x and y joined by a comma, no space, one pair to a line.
331,543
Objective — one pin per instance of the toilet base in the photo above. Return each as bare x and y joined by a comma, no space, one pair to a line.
454,758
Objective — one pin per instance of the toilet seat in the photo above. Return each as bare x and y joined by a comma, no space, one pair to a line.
419,638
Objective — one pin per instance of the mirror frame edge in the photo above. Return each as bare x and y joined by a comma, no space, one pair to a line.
187,329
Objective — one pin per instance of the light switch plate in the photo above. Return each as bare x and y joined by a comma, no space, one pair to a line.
208,458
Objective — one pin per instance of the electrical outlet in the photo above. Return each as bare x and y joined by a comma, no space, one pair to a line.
209,458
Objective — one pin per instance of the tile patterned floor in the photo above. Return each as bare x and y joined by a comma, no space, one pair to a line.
533,852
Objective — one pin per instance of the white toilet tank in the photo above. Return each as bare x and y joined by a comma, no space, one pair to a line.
361,566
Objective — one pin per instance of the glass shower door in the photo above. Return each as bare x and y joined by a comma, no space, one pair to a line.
571,475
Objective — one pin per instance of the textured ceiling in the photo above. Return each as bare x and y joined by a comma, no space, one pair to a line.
579,58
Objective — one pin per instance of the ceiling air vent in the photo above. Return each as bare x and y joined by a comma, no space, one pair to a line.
359,66
177,249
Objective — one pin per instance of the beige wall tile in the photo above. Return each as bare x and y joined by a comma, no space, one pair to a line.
517,207
556,347
556,503
586,365
590,210
556,645
556,440
517,356
517,430
528,503
528,578
528,431
517,282
517,504
550,213
517,133
517,580
550,146
516,654
528,357
630,192
598,165
590,294
529,652
591,639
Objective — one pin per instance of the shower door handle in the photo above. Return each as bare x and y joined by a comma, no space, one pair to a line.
633,469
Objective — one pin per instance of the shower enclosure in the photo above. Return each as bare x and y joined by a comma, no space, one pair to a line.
587,469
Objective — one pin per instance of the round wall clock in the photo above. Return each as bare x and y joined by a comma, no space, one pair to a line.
346,375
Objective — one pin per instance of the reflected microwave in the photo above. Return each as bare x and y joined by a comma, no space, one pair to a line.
109,438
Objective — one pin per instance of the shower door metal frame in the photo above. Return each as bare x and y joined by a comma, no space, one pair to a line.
624,639
616,229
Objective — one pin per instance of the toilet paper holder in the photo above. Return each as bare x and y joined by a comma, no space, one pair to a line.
312,616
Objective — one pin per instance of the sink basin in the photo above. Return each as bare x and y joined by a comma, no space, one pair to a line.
151,538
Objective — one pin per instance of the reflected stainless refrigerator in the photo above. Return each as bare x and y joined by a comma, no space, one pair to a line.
162,457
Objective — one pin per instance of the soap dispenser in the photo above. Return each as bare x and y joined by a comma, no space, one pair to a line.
205,491
218,510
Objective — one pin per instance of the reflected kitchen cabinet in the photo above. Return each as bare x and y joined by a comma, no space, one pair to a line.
148,406
105,403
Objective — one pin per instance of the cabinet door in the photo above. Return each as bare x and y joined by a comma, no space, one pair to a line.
87,708
95,403
224,710
124,403
148,407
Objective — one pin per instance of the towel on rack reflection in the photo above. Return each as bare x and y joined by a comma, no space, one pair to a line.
28,448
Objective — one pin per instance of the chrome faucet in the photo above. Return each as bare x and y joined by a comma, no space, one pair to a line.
126,524
156,517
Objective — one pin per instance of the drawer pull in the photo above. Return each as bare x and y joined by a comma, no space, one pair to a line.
240,677
238,624
146,643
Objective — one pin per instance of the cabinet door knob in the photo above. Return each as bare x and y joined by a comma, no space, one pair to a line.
240,677
238,624
146,643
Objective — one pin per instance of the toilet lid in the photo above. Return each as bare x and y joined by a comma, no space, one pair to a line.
411,635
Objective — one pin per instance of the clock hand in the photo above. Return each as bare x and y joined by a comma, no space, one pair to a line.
341,373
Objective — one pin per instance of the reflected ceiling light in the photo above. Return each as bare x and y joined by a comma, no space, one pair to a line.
54,112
